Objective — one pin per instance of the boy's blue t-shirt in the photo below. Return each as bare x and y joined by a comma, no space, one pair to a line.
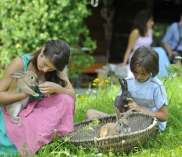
150,95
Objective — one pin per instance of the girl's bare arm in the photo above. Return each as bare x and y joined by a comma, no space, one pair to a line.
5,81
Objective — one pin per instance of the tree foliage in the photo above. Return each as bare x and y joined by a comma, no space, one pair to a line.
26,24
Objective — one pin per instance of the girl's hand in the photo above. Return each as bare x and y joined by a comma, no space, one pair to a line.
48,88
133,105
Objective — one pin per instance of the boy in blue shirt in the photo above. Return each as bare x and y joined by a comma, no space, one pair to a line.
147,91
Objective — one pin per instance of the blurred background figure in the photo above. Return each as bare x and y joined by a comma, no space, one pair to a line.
141,35
172,41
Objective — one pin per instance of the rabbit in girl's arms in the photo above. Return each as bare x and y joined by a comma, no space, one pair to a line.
121,100
120,127
22,82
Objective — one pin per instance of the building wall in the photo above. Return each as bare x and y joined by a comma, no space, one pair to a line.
164,11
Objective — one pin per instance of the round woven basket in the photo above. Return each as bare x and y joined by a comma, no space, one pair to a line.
143,126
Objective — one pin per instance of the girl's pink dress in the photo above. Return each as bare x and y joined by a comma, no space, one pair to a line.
40,120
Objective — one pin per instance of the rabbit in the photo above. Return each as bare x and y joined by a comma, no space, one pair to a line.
120,127
121,100
22,81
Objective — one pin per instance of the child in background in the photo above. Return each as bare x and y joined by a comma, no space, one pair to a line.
147,91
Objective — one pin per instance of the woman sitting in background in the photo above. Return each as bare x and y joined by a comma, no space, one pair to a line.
141,35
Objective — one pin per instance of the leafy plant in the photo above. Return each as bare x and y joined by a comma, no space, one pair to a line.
26,24
159,31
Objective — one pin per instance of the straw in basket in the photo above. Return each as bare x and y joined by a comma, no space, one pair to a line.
143,126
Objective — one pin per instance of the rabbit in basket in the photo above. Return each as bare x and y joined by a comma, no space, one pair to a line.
121,100
120,127
22,81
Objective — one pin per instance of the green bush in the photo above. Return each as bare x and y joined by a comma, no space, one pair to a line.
26,24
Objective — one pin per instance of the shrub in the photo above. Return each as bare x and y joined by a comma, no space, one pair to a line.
27,24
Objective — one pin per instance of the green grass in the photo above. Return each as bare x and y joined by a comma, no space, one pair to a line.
167,144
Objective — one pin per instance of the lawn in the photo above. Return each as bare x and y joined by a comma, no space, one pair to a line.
101,97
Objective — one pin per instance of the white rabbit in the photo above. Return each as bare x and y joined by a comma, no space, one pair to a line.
120,127
22,81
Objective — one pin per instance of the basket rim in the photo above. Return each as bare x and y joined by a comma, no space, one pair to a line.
154,123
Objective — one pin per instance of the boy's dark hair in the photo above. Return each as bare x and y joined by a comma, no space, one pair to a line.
147,58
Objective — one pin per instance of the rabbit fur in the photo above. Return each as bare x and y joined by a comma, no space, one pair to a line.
120,127
22,81
121,100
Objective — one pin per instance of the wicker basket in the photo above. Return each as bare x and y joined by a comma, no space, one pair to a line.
143,127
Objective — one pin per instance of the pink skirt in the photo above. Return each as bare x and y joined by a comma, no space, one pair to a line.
40,120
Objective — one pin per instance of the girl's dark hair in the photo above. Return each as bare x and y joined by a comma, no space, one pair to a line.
140,21
147,58
58,52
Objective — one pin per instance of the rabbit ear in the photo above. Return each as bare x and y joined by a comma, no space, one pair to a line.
118,114
127,114
18,74
122,85
125,84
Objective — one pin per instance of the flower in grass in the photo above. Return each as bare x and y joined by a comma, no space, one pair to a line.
96,80
102,92
172,153
89,91
178,57
94,84
99,154
107,81
114,86
83,99
143,152
152,154
101,83
110,153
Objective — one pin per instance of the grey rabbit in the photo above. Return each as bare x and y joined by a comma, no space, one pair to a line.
121,100
120,127
22,81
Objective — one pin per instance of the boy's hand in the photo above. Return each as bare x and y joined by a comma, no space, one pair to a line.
133,105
